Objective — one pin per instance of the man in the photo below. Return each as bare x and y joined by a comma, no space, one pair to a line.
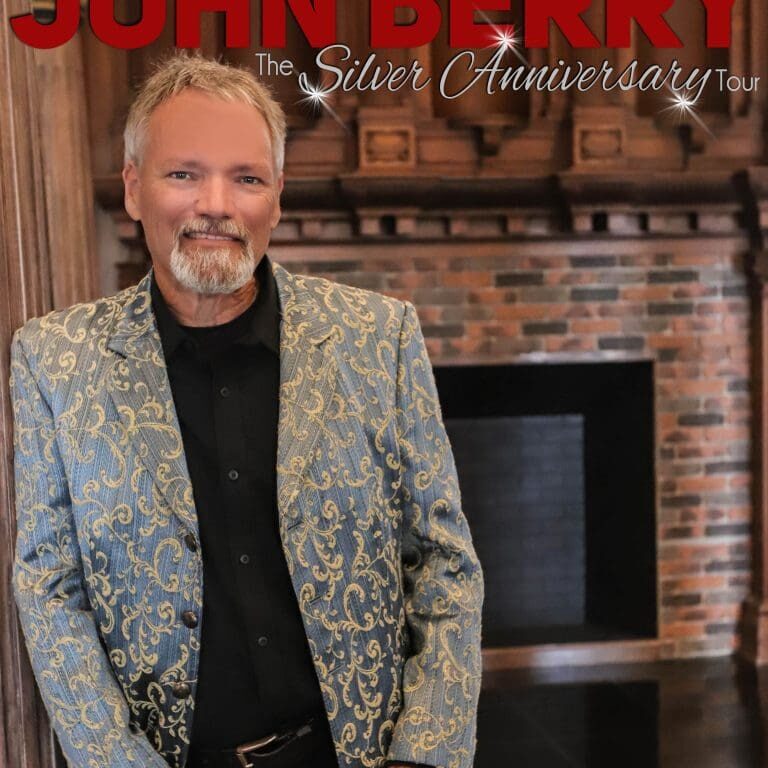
240,536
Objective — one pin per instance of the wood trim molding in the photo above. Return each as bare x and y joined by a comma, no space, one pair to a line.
577,654
754,619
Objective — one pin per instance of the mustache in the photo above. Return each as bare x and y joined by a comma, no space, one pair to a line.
213,227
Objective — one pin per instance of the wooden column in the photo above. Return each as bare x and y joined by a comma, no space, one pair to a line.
754,624
42,150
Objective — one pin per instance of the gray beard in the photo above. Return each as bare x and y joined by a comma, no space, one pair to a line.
212,270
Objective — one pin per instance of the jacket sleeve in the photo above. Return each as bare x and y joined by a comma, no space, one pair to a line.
84,701
443,581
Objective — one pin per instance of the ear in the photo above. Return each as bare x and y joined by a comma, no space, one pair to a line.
277,212
132,185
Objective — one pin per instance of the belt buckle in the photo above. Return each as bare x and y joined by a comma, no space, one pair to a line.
242,751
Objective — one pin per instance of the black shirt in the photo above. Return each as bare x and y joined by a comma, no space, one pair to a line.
256,673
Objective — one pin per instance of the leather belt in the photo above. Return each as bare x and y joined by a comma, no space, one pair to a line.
243,755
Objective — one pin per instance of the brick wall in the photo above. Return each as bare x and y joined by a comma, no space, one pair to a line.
680,301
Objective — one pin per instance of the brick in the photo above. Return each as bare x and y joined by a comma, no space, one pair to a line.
439,295
700,388
673,276
727,565
733,529
678,532
595,326
723,467
581,262
541,329
694,291
644,260
463,312
594,294
530,312
701,419
410,280
724,597
551,261
489,296
519,278
647,293
580,343
543,294
467,278
670,308
571,277
694,259
442,331
688,500
692,583
699,484
681,629
622,309
625,343
723,627
677,600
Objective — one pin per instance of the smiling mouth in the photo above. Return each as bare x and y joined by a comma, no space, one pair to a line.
211,236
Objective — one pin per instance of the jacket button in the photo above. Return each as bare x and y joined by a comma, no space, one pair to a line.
181,690
189,618
189,540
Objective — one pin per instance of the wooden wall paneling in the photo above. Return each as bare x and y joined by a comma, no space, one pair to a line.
739,57
65,148
42,139
141,61
108,98
25,290
758,34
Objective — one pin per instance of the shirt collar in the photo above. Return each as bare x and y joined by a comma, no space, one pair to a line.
264,326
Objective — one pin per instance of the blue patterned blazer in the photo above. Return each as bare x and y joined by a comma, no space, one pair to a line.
379,553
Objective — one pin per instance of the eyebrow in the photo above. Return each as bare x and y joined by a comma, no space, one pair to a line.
240,168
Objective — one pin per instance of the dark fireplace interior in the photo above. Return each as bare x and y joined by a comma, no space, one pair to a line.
556,469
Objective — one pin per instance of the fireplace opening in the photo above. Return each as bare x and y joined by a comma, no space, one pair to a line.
556,465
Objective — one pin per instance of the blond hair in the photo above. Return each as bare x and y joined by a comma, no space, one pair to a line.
224,81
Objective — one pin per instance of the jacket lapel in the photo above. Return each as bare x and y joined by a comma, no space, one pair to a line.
308,380
139,386
141,391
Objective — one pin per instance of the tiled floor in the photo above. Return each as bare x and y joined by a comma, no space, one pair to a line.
689,714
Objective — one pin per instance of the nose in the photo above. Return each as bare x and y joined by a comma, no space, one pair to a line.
214,198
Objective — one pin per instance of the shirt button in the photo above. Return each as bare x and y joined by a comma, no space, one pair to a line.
189,618
181,690
233,474
189,540
244,559
263,641
224,391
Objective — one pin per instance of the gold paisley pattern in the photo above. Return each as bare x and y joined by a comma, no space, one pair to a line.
378,549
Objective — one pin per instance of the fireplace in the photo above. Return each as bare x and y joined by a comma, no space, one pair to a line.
556,465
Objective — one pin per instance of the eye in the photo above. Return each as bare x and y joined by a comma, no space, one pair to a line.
180,175
250,180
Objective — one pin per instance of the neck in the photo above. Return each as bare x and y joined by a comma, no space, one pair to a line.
200,310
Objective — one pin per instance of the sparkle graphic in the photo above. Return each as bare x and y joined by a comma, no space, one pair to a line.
503,39
684,106
317,97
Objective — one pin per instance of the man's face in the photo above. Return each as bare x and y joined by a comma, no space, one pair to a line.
206,192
